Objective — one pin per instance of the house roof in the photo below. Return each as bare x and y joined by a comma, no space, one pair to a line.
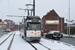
51,12
3,22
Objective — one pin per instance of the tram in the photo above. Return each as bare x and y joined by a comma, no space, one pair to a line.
31,28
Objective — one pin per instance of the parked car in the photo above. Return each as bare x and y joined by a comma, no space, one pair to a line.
8,30
53,34
61,34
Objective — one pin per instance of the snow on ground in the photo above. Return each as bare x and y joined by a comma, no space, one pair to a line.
4,37
5,45
39,47
68,35
20,44
56,45
17,32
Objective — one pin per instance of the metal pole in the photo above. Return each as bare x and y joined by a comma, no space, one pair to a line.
31,12
69,17
18,26
67,28
24,24
28,12
2,27
61,24
33,7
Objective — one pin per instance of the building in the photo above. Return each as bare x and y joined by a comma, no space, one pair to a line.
66,28
52,21
3,26
10,24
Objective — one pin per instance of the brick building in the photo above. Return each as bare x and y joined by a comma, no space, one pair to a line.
52,21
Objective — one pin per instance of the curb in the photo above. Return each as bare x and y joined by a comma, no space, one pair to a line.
69,37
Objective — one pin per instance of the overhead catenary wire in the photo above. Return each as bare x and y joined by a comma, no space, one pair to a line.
9,7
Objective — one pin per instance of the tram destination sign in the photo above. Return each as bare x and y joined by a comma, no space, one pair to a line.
35,20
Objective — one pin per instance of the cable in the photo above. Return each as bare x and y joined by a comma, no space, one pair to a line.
9,7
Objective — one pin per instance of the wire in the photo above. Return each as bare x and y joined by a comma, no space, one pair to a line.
9,7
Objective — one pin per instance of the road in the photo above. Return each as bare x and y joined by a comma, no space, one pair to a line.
13,41
68,40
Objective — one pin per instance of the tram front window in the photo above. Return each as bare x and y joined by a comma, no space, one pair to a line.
34,26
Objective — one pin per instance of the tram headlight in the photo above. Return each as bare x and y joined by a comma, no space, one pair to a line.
32,35
32,32
38,32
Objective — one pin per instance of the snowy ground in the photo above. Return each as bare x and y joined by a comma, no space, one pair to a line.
68,35
20,44
64,35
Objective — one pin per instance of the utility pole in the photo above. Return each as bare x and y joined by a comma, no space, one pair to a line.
69,17
33,7
67,28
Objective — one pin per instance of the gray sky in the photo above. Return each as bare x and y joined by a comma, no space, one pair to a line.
42,7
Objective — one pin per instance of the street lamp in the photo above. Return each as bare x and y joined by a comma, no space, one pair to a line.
69,17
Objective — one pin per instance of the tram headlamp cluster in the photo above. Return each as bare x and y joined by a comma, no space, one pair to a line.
32,32
38,32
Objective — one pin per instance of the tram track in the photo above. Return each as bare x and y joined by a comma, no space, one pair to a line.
11,42
5,39
36,45
31,44
44,46
40,46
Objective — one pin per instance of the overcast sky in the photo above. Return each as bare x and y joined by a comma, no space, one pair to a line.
10,7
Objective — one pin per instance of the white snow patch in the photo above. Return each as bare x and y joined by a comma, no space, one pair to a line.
17,32
5,45
3,37
20,44
55,45
68,35
39,47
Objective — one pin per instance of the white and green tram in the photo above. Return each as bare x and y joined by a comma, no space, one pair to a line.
31,29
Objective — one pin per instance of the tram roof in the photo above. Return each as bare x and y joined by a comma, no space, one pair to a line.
32,17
